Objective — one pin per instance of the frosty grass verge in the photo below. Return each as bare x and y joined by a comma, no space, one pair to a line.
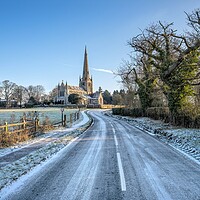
186,140
13,171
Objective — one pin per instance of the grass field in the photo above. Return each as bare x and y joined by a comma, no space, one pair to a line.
14,115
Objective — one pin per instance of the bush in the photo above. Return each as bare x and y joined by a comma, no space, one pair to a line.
137,112
134,112
158,113
117,111
197,122
9,138
126,112
184,119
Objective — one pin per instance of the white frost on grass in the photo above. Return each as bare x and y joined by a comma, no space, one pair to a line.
83,120
13,171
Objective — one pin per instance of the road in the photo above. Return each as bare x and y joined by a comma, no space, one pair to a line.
112,160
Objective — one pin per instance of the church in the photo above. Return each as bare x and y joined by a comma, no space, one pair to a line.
84,90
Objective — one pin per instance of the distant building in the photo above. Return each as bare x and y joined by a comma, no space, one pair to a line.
86,81
95,99
84,90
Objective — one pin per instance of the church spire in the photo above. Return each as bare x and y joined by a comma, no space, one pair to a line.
85,66
86,82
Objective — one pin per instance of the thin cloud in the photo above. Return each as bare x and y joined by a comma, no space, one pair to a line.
103,70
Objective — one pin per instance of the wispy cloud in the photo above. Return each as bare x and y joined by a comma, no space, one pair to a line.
103,70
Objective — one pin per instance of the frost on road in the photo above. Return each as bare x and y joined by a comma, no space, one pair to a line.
111,160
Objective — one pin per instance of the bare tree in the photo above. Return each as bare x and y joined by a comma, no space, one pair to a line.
117,99
7,90
139,77
30,91
20,94
194,22
53,94
175,57
39,91
35,91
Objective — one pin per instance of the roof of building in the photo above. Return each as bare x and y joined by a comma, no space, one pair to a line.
71,87
96,95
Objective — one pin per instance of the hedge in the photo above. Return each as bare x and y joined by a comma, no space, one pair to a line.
160,113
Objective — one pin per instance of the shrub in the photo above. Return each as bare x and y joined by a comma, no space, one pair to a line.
117,111
137,112
9,138
197,122
134,112
187,119
161,113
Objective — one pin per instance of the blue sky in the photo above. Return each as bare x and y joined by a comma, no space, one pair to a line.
42,41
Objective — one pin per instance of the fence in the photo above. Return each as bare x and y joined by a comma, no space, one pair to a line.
73,117
17,132
18,127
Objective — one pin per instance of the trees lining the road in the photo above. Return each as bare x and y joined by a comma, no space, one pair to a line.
166,61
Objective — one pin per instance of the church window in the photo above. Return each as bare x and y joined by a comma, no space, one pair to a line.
62,93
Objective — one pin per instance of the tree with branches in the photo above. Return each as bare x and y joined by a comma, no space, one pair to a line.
19,94
139,71
175,58
7,89
36,92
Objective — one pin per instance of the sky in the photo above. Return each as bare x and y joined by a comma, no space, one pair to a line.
42,42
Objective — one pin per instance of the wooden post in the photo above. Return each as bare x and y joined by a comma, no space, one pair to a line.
36,124
62,112
74,116
71,119
78,114
62,118
6,126
24,125
65,119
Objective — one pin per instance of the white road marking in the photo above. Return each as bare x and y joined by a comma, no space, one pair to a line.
121,173
119,161
129,137
116,142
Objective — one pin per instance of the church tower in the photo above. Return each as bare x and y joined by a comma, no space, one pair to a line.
86,81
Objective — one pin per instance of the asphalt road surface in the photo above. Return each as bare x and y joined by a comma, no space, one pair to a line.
113,160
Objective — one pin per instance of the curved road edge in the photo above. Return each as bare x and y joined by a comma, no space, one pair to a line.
149,132
13,171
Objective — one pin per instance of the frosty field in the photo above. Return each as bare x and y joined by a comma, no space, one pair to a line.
14,115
